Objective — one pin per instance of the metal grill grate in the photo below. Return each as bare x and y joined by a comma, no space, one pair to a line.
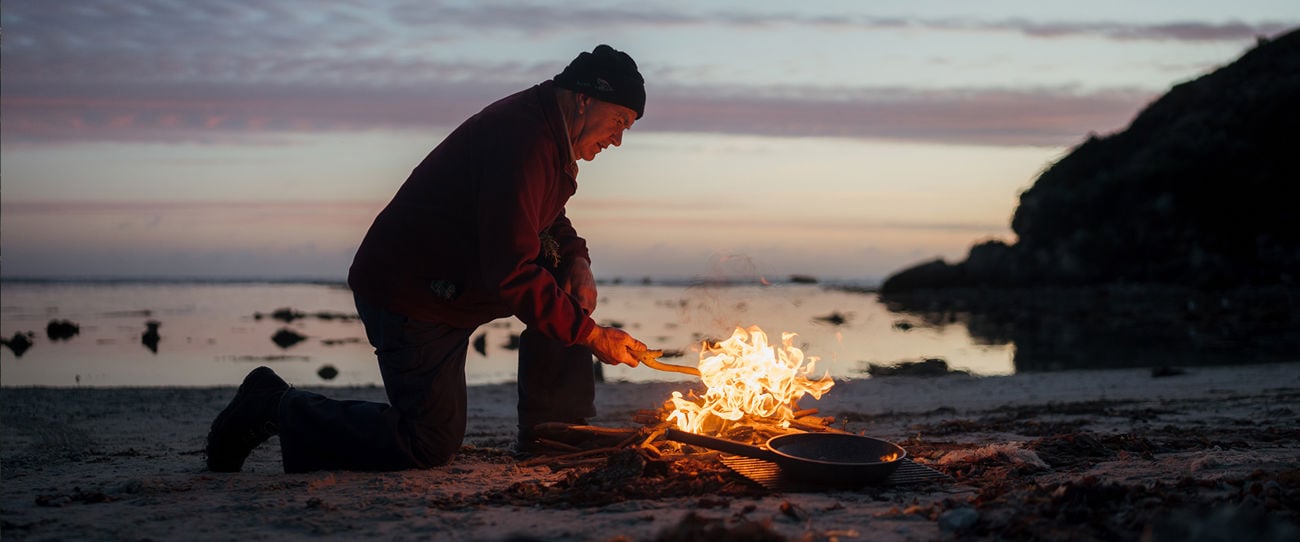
769,475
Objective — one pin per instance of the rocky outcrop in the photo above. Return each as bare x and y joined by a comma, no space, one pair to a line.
61,330
1201,190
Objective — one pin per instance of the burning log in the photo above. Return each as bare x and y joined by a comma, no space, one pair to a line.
805,412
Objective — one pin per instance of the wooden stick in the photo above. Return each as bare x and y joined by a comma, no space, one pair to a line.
561,428
646,417
557,444
650,358
554,458
598,430
806,412
650,451
552,427
817,428
656,434
577,463
628,440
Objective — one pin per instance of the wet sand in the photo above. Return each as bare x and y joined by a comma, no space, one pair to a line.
1026,454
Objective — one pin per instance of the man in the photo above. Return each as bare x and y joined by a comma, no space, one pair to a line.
477,232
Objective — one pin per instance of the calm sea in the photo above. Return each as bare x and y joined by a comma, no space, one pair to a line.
211,333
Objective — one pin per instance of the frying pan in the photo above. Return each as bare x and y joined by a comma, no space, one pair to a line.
826,459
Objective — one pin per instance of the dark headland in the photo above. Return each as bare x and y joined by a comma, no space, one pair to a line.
1174,240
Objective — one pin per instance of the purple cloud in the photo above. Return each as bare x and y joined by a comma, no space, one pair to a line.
539,20
1192,31
172,70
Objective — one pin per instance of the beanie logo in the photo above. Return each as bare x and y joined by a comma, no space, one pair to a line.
603,85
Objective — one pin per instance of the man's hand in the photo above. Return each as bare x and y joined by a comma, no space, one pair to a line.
614,346
580,283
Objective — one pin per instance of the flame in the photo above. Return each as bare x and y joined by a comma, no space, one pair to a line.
747,376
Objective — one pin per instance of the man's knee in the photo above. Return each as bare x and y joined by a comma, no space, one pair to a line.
434,452
433,443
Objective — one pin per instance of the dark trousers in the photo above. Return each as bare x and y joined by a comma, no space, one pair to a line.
423,424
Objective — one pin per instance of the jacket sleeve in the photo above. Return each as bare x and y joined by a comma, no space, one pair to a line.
571,244
518,182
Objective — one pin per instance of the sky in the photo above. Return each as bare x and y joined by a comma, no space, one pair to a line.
843,140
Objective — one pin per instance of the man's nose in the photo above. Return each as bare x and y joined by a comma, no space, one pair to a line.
618,138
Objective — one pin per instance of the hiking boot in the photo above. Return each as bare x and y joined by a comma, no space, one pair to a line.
526,442
247,422
529,439
537,438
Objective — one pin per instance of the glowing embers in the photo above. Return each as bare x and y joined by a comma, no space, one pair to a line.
748,381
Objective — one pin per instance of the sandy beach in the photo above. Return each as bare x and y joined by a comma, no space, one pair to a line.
1082,455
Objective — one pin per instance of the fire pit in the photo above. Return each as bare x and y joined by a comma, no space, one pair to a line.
751,398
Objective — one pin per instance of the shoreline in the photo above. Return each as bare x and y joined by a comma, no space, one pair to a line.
1125,382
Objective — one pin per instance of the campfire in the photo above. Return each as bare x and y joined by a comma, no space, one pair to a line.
751,394
751,384
749,411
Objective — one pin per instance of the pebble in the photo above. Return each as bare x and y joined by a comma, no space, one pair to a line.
958,519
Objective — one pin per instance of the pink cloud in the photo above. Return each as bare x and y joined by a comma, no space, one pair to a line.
1046,117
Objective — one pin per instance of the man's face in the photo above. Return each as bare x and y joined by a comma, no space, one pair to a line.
600,125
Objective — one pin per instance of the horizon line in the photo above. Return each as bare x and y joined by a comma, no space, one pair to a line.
679,280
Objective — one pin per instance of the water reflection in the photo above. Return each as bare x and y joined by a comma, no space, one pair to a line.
213,334
1115,327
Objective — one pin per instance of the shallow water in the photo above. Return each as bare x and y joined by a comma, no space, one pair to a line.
209,334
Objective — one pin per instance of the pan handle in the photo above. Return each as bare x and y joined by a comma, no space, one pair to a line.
721,445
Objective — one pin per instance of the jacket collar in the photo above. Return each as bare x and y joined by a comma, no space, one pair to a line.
559,128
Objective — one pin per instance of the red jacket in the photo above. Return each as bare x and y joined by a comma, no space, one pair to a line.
460,243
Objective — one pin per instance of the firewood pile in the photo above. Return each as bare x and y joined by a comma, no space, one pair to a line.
562,445
612,464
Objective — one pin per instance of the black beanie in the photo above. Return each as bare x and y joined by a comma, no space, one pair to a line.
607,75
